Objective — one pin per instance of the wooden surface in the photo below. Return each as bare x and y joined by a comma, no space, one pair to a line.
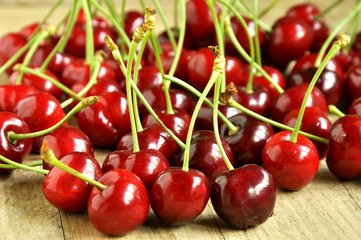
325,209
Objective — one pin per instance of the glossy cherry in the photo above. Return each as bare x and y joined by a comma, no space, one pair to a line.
248,140
106,121
10,43
10,95
343,158
19,149
257,100
244,197
120,208
67,192
132,20
40,111
352,84
65,140
178,197
355,107
146,164
293,165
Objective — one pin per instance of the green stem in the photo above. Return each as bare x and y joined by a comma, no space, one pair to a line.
218,67
327,9
267,8
89,46
13,137
48,156
10,164
334,110
342,41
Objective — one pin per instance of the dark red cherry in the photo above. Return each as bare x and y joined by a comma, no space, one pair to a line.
315,122
120,208
67,192
146,164
244,197
10,43
132,20
292,98
290,38
106,121
148,77
98,88
248,140
178,197
355,107
65,140
357,42
40,111
18,150
343,157
257,100
293,165
205,156
352,84
10,95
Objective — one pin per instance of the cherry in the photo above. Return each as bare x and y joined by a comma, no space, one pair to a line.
67,192
10,95
290,38
148,77
244,197
248,140
355,107
10,44
39,83
132,20
65,140
343,157
292,98
205,156
98,88
19,149
315,122
147,164
29,29
106,121
120,208
178,197
293,165
352,84
357,42
40,111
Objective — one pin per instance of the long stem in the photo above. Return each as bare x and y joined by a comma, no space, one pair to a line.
341,42
10,164
48,156
12,136
89,46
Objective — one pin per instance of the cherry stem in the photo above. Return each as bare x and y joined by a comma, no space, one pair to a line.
10,164
89,47
42,75
13,137
267,8
335,31
218,68
48,156
230,126
334,110
256,34
327,9
342,41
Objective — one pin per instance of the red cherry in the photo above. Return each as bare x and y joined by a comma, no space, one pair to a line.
132,20
352,84
244,197
28,29
292,165
40,111
258,100
18,150
292,98
178,197
9,44
120,208
290,38
343,158
357,42
65,140
10,95
248,140
148,77
315,122
69,193
98,88
355,107
106,121
146,164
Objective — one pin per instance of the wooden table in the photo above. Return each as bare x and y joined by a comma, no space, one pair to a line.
325,209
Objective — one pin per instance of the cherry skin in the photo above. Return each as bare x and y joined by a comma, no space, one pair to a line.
106,121
355,107
18,150
205,156
248,140
244,197
40,111
65,140
315,122
290,38
69,193
120,208
292,165
257,100
146,164
10,95
132,20
357,42
343,157
292,98
178,197
9,44
352,84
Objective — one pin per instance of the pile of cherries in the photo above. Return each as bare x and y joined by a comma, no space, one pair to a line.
175,140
